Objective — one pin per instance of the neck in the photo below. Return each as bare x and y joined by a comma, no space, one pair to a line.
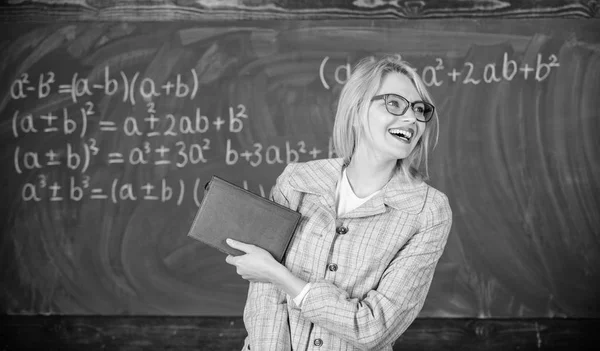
367,174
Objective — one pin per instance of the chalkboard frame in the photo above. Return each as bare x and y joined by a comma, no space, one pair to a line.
165,10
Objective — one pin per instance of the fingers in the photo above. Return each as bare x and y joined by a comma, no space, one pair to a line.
239,245
231,260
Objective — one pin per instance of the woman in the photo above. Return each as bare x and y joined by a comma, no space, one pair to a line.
360,264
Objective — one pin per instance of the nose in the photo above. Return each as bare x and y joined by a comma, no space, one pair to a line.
409,117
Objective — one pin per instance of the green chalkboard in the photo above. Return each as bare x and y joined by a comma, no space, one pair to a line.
109,130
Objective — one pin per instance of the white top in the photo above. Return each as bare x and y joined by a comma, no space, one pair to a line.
346,201
345,198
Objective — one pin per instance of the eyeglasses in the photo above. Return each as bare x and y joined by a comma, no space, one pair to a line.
398,105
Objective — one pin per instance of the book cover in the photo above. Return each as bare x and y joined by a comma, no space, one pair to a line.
229,211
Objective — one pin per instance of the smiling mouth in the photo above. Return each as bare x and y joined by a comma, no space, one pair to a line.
402,134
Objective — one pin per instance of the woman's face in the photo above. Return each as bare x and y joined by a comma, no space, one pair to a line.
387,136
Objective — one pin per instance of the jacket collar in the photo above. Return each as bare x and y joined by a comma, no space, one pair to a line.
321,177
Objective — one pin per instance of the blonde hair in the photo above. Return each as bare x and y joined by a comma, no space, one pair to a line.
353,107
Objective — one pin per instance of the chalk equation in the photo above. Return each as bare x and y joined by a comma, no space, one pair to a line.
128,87
79,157
116,191
469,73
65,123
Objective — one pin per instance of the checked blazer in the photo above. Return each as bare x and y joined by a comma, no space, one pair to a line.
370,270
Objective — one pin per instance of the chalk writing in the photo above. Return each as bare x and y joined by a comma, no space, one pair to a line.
79,87
271,154
117,191
438,74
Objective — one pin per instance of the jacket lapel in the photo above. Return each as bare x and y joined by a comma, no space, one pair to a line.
404,195
319,178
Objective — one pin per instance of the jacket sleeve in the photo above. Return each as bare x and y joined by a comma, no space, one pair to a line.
265,312
385,313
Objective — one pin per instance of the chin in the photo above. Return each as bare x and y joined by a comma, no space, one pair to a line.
402,154
399,156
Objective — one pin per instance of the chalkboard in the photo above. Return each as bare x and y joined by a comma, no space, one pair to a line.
109,130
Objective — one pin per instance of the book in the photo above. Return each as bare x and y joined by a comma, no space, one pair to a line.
229,211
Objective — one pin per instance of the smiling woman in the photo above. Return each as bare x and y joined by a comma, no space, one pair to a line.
516,86
362,259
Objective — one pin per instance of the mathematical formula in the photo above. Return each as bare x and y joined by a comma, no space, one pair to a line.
79,157
116,191
438,74
128,87
66,124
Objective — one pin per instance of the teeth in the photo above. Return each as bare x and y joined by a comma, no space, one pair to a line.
401,132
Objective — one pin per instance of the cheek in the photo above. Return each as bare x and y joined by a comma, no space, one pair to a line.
421,127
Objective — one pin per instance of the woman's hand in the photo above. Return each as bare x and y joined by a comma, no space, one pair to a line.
257,265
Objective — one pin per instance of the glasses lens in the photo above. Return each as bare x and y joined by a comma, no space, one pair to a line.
396,104
423,110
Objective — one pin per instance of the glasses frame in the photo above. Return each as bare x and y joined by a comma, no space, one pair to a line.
409,104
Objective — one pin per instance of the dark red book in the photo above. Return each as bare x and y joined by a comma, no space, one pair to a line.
229,211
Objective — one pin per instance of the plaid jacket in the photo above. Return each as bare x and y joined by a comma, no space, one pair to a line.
370,270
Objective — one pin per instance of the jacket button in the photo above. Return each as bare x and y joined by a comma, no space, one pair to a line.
341,230
318,342
332,267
